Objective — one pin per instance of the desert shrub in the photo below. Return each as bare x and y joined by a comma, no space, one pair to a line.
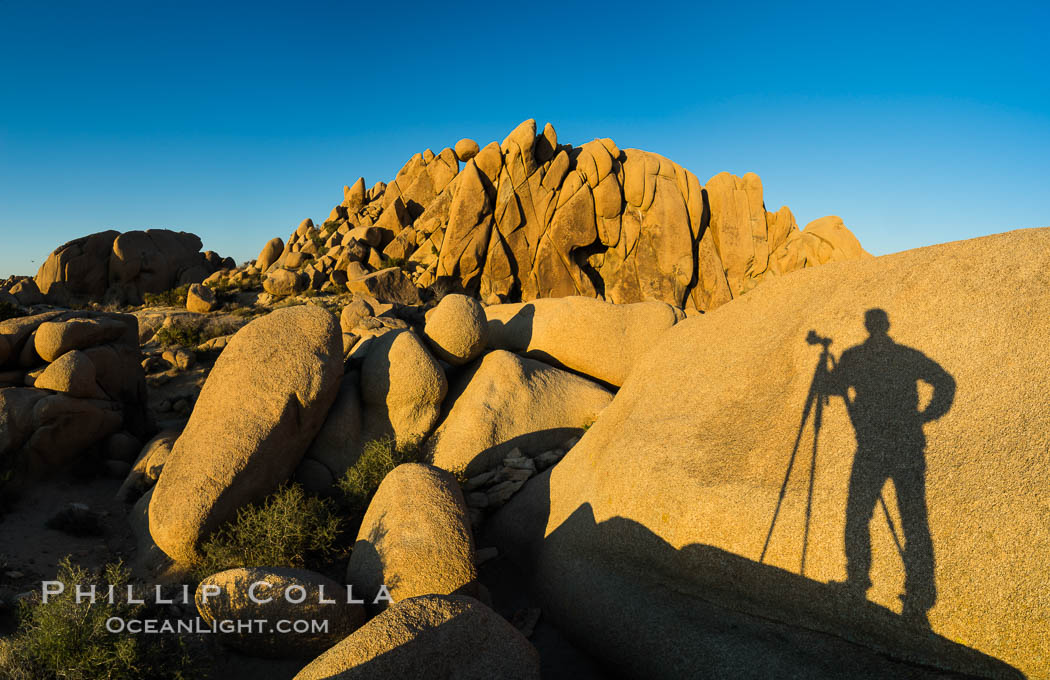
226,289
192,332
377,459
68,639
179,335
246,312
289,529
176,297
10,311
387,262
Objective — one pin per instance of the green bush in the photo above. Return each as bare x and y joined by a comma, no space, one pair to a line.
361,480
289,529
176,297
65,639
192,332
246,312
179,335
387,262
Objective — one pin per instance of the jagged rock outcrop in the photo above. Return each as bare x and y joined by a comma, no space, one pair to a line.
122,267
533,218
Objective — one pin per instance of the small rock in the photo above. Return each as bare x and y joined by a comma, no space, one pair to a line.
218,343
76,519
525,620
521,463
516,474
466,149
457,329
182,359
116,469
501,493
122,446
548,458
201,299
477,500
478,481
485,555
282,282
158,379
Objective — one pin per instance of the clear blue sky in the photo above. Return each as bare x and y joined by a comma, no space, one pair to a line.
916,122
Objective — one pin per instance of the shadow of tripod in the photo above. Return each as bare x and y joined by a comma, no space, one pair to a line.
816,399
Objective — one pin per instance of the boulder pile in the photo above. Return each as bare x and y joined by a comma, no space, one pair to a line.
533,218
526,376
20,291
70,383
123,267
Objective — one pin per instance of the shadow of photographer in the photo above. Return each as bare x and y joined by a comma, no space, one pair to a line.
878,380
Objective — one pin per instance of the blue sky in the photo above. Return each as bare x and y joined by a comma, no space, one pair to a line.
917,123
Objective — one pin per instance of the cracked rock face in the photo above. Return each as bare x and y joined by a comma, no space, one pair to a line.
532,218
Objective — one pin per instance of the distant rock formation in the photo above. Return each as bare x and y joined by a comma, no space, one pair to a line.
122,267
531,218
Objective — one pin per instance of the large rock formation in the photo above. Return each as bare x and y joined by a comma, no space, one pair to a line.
532,218
122,267
681,537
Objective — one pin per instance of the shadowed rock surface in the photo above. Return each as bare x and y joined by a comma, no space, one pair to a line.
670,497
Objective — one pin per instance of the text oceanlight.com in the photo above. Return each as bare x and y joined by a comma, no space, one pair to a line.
115,624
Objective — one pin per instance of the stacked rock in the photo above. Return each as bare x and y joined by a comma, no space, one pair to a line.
69,382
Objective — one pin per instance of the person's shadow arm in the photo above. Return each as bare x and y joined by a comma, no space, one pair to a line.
943,390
